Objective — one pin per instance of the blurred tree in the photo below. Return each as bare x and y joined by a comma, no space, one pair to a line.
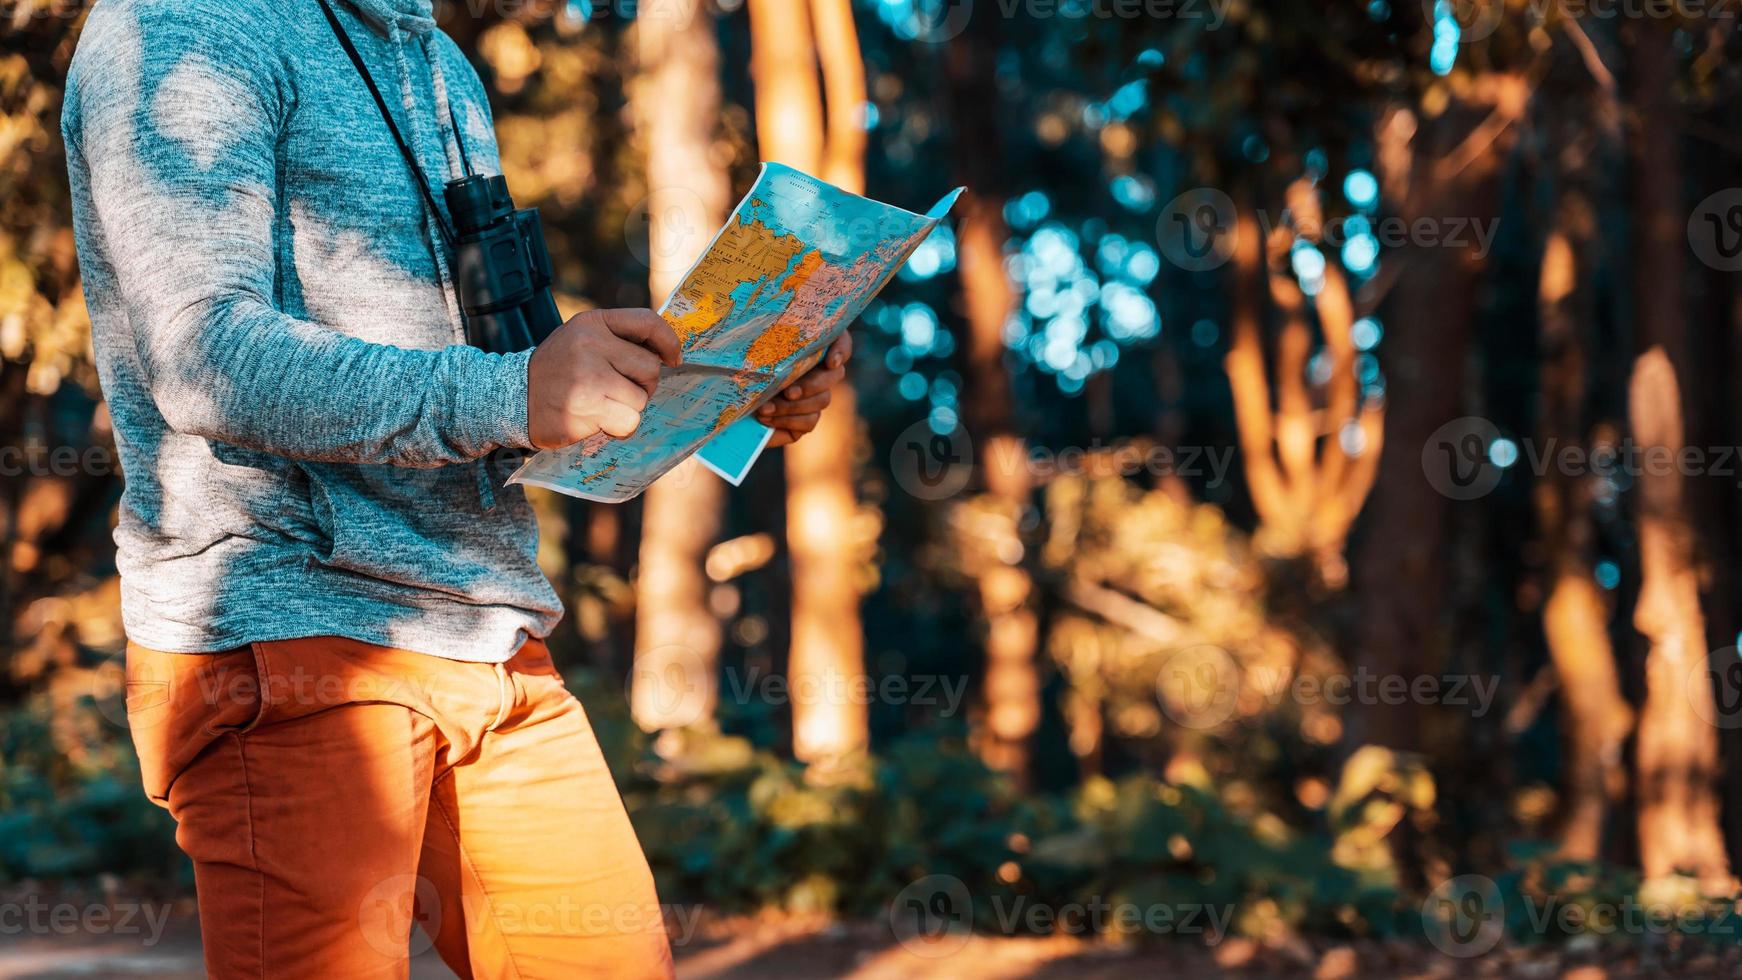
995,553
828,644
60,475
1576,614
1677,749
676,100
1433,169
1308,467
1439,160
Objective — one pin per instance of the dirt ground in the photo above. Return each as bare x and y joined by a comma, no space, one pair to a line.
769,948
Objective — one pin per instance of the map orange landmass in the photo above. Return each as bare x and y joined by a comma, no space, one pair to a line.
745,252
782,337
807,317
706,313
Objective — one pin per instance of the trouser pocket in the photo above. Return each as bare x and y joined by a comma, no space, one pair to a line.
179,703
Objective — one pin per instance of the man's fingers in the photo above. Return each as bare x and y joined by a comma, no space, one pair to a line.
840,350
624,391
648,329
638,364
794,423
618,420
816,380
804,406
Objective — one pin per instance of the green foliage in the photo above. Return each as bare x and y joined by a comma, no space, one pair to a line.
75,811
737,828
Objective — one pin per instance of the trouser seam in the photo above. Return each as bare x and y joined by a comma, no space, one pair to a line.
505,695
471,870
253,855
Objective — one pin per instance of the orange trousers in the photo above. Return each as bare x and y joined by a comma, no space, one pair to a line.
332,794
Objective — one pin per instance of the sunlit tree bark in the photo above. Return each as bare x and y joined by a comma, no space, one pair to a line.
677,103
1431,170
1677,747
828,654
1676,752
1575,616
995,549
1006,587
1309,465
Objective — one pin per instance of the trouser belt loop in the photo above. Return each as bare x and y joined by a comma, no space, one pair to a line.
505,689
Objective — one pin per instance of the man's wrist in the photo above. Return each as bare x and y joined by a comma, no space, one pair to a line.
491,403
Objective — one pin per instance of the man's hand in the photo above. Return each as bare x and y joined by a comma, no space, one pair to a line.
795,411
594,374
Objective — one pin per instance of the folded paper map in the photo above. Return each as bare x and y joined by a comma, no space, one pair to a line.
794,265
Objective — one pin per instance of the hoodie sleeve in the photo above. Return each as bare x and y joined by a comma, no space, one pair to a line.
176,109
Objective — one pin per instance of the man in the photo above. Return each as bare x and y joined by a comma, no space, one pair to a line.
336,676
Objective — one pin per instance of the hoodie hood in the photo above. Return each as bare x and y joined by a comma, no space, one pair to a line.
408,16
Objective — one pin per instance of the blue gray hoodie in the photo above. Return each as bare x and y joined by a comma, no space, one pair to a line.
306,440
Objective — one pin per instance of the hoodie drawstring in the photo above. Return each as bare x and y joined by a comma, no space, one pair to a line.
399,40
451,153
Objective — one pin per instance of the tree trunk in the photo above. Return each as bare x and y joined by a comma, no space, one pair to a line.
1677,747
1676,752
828,645
1575,616
1309,462
677,100
1012,684
1432,170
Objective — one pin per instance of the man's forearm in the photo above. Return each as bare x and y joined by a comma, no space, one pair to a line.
245,374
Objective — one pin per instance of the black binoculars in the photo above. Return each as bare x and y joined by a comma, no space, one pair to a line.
501,267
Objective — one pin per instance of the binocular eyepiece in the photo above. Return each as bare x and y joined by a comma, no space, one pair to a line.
501,266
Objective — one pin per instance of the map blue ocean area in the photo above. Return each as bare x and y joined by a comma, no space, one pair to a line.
793,267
